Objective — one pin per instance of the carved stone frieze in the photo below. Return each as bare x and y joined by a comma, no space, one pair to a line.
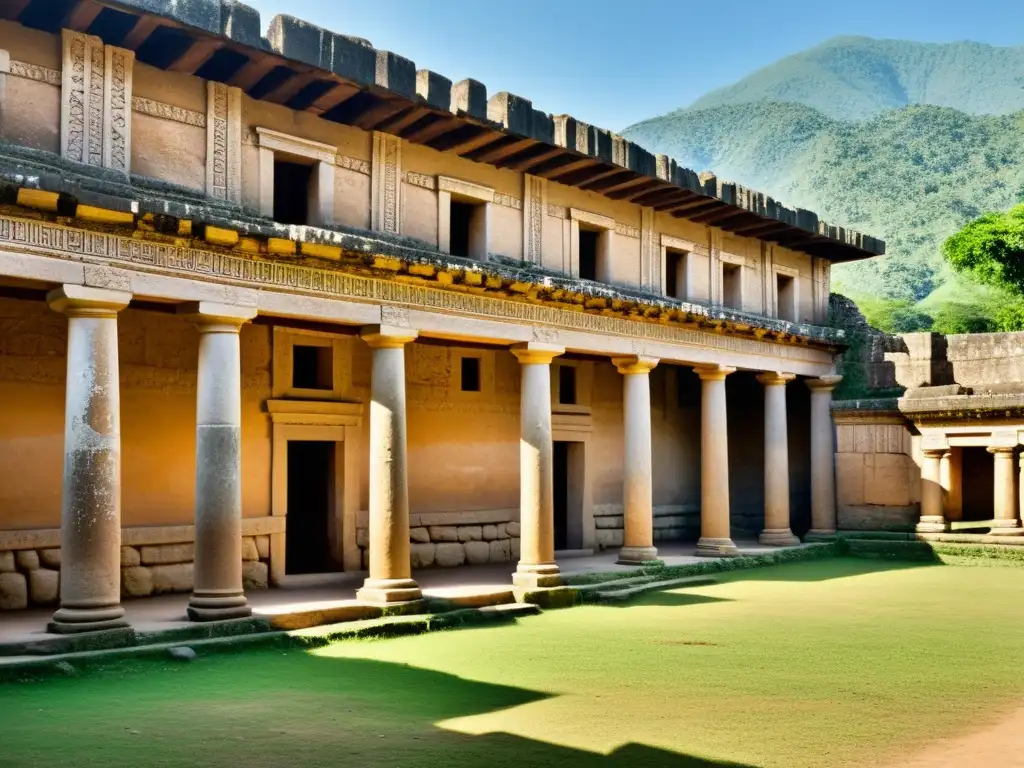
36,72
627,231
224,142
168,112
77,245
535,199
421,180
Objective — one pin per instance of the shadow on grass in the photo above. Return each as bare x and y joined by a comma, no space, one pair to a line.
271,708
667,599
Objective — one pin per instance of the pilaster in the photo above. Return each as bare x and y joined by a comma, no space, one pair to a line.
535,204
224,142
385,183
96,102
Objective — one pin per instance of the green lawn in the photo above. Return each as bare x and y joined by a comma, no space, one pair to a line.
837,662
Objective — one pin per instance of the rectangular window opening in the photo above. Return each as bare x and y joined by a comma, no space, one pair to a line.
291,192
785,286
588,254
460,228
567,385
470,378
675,274
732,286
312,367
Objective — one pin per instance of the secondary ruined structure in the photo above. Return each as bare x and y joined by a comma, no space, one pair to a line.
945,452
286,305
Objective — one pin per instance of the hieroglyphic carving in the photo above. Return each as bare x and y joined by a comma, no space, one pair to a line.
535,197
421,180
353,164
627,231
508,201
36,72
397,316
56,241
224,142
117,118
75,95
650,256
168,112
385,173
96,94
820,285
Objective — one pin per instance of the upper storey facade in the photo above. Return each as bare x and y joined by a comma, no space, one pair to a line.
295,143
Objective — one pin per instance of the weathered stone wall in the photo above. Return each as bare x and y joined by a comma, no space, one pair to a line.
878,477
158,354
31,577
983,360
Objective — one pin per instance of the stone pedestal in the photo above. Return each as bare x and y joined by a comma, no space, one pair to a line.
637,490
933,516
217,588
715,537
823,460
390,578
90,583
776,462
1005,497
537,566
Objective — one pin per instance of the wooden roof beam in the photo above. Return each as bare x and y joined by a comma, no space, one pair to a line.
633,191
83,15
143,28
332,98
197,55
252,72
494,154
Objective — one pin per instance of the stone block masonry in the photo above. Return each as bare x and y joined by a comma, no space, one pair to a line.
31,577
483,537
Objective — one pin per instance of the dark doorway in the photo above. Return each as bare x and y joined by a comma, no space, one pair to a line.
978,482
291,192
561,495
462,215
310,521
588,254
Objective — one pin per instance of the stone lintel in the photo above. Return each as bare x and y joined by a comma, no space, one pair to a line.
387,336
78,300
635,364
207,314
823,383
536,352
713,372
774,378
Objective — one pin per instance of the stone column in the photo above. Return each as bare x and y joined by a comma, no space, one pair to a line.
1005,496
776,462
715,538
90,531
823,460
390,578
933,516
537,566
637,490
217,587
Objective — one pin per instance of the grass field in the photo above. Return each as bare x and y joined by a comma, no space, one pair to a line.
831,663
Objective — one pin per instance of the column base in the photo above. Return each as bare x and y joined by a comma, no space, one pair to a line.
69,621
532,576
932,524
218,607
778,537
819,534
637,555
1006,528
708,547
387,591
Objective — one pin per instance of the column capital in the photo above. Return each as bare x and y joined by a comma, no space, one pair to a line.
635,364
935,453
211,317
1002,450
773,378
823,383
536,352
713,372
86,301
387,336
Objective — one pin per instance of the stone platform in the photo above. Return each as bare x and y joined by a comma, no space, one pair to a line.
329,603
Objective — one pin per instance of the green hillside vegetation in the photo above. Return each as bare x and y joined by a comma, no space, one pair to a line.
853,78
913,176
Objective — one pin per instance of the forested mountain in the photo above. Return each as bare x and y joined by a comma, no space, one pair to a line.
847,145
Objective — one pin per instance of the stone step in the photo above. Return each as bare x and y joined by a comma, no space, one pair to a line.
446,598
511,610
627,593
589,589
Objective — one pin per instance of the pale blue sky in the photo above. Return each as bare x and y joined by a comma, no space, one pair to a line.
614,62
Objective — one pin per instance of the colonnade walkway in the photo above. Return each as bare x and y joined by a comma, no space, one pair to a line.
152,614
